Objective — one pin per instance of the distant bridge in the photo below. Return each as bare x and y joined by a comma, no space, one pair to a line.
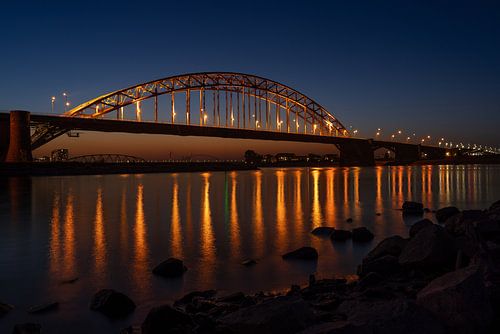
106,158
211,104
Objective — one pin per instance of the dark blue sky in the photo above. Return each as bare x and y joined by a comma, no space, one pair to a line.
431,67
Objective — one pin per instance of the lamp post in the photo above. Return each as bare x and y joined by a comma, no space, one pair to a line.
65,101
52,101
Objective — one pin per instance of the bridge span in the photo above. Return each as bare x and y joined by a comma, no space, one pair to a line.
209,104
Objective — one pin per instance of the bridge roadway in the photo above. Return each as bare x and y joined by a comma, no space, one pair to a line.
353,151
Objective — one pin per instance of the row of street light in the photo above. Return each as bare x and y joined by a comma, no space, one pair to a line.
66,102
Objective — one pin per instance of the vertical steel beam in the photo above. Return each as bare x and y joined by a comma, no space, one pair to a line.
238,108
243,107
156,105
287,116
227,113
173,107
188,106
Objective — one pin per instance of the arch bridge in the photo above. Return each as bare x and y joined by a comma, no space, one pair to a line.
106,158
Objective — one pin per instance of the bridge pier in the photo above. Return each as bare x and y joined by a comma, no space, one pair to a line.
20,137
434,153
4,138
406,153
356,153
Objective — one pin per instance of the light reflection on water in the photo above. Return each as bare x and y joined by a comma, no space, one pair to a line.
110,231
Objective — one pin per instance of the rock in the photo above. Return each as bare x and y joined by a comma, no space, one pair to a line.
337,327
5,308
171,267
27,328
385,266
362,234
277,315
69,281
371,279
42,308
413,208
427,210
248,262
166,319
131,330
188,298
459,300
348,220
460,223
432,248
232,298
444,213
489,230
389,246
495,206
112,304
378,214
200,305
303,253
418,226
323,231
395,316
340,235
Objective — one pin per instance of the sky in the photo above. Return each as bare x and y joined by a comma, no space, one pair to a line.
424,67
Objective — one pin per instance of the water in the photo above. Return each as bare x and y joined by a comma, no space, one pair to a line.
111,230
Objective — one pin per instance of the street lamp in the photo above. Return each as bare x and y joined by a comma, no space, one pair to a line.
65,101
53,100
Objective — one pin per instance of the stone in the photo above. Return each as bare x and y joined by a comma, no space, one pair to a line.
42,308
284,314
171,267
249,262
69,281
460,223
389,246
413,208
362,234
112,304
489,229
337,327
5,308
323,231
418,226
188,298
340,235
166,319
369,280
348,220
395,316
385,265
459,300
495,206
444,213
303,253
232,298
27,328
432,248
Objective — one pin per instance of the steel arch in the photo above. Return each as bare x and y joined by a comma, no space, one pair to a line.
312,114
106,158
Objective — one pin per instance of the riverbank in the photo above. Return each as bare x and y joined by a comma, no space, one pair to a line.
78,168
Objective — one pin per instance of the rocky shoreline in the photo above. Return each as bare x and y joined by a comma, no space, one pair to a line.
443,278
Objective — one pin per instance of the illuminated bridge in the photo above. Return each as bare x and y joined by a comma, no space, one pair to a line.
214,104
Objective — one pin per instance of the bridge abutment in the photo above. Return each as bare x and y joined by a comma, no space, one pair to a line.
19,137
4,138
406,153
356,153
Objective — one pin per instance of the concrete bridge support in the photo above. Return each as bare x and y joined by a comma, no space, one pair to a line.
434,153
356,153
406,153
20,137
4,138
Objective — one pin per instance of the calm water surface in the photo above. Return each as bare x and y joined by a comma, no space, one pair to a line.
110,231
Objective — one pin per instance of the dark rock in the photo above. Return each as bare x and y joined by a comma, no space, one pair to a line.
42,308
460,223
69,281
495,206
188,298
27,328
131,330
395,316
444,213
340,235
362,234
5,308
369,280
166,319
303,253
171,267
459,300
249,262
111,303
389,246
337,327
378,214
384,265
312,279
488,229
232,298
418,226
278,315
427,210
413,208
348,220
323,230
199,304
432,248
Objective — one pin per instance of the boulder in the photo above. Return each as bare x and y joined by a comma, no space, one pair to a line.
337,327
42,308
385,265
362,234
371,279
389,246
323,231
460,223
232,298
489,229
395,316
432,248
5,308
248,262
418,226
458,299
303,253
340,235
166,319
284,314
112,304
27,328
171,267
444,213
413,208
495,206
188,298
